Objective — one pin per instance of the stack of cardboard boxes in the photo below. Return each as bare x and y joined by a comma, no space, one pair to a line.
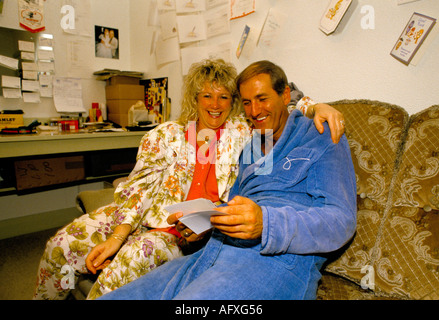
122,92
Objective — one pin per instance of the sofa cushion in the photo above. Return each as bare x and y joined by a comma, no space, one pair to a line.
418,177
407,261
374,132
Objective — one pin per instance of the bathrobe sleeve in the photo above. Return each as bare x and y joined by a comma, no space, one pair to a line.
325,222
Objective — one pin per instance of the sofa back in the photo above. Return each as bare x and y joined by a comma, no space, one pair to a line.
374,131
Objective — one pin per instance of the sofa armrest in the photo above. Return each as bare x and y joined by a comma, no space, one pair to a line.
90,200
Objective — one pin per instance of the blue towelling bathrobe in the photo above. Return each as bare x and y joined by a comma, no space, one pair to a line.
306,189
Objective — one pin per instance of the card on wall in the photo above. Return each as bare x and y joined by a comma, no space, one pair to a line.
333,15
412,37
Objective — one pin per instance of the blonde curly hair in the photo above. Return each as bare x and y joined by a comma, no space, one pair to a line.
215,71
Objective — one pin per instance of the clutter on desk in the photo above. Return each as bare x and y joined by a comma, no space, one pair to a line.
31,128
11,119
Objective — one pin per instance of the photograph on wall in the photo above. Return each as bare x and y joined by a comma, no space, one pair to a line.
2,2
412,37
107,42
156,98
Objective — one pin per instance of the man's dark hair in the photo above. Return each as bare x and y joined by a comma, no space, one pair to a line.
278,77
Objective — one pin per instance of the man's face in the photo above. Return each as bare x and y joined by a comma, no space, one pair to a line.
263,106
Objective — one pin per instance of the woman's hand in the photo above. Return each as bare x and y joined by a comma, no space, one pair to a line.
97,258
185,232
324,112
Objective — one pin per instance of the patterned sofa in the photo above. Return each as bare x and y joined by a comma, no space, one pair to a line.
395,251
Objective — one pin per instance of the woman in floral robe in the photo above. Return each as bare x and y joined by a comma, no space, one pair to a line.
133,228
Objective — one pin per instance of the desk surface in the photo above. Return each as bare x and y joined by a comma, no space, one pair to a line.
47,143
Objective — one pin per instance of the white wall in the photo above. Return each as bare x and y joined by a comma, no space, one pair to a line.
352,63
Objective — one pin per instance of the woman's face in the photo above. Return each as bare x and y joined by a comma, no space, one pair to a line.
214,106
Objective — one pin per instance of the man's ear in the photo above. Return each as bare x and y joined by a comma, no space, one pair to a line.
286,95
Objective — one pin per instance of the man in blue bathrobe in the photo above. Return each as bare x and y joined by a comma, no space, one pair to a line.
294,200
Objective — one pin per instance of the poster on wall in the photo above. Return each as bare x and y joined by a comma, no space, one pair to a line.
412,37
107,42
156,98
2,2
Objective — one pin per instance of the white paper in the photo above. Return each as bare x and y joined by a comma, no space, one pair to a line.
46,91
30,85
217,21
29,66
270,31
46,66
166,5
67,95
10,93
26,46
241,8
31,97
9,62
27,55
191,28
167,51
30,75
46,55
11,82
189,6
168,24
215,3
196,214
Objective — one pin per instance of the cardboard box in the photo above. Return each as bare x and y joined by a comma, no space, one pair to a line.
120,106
11,120
125,92
35,173
122,80
120,119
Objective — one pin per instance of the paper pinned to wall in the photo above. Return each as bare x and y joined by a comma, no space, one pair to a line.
67,95
167,51
191,28
241,8
9,62
272,26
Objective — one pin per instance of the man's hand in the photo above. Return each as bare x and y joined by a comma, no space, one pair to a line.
324,112
243,219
